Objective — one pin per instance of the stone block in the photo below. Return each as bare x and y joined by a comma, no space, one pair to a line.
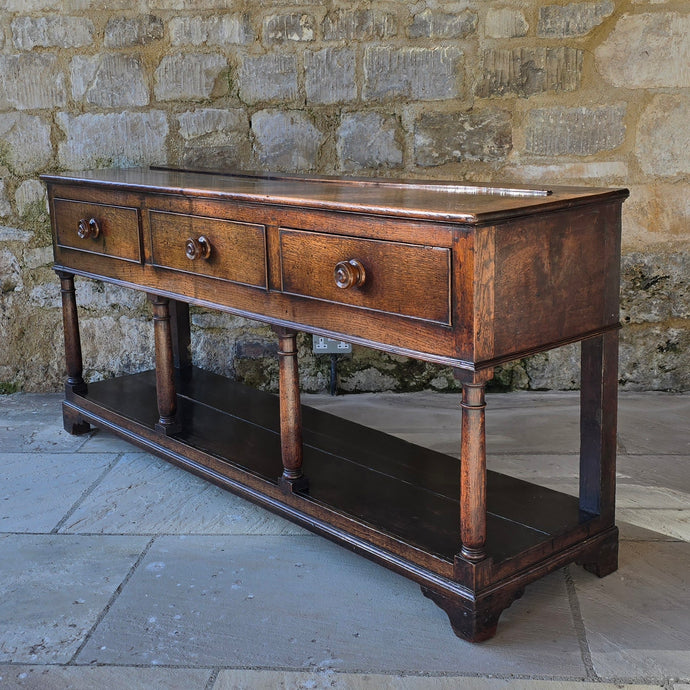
286,140
663,136
576,19
435,24
330,75
116,139
576,131
226,29
647,51
268,78
10,272
112,80
368,140
123,32
31,81
30,194
654,286
482,135
358,25
24,142
5,208
188,76
505,22
215,137
54,31
412,73
656,212
527,71
279,28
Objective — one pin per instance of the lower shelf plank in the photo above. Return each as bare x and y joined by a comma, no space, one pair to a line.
396,487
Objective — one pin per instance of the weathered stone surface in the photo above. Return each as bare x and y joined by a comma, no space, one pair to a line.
655,287
577,131
647,51
24,142
123,32
8,234
330,75
45,32
368,140
482,135
286,140
576,19
226,29
214,137
194,5
436,24
113,80
10,272
610,172
655,357
30,194
505,22
656,212
358,25
188,76
279,28
414,73
663,136
5,208
31,80
268,77
527,71
116,139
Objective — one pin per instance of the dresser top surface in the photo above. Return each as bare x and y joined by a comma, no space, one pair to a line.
421,199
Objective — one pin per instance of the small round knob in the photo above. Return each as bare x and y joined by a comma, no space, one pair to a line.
88,228
197,249
349,274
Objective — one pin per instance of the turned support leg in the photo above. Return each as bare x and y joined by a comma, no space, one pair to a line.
598,424
165,367
70,320
292,478
473,473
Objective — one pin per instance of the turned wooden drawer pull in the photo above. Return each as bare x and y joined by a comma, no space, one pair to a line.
88,228
349,274
197,249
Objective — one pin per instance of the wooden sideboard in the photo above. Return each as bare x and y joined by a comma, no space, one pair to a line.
460,275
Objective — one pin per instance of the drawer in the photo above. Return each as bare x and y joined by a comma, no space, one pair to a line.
98,229
392,277
224,249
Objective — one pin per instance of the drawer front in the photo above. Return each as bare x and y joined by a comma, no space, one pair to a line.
392,277
98,229
222,249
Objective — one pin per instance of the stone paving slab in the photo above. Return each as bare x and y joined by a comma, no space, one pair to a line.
104,678
303,603
636,619
38,489
54,587
291,680
145,495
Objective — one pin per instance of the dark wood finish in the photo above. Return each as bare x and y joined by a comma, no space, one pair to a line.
106,230
165,367
473,473
468,276
292,477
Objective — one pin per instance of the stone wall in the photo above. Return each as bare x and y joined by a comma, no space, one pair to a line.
594,92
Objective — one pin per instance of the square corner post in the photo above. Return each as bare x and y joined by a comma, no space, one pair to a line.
75,384
598,429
